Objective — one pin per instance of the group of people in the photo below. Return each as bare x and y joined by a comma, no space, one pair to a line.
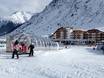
17,47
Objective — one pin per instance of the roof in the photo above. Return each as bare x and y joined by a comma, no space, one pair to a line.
94,31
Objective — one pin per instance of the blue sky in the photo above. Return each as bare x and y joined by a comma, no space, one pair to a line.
7,7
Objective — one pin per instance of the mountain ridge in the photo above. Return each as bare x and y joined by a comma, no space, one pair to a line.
10,23
75,13
19,17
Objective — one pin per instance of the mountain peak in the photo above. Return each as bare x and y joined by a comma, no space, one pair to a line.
10,23
84,14
20,16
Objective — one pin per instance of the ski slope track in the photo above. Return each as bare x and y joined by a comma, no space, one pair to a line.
75,62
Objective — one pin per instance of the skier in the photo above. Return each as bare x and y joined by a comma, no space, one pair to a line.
15,49
31,47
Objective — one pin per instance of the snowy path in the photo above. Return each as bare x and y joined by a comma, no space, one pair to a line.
76,62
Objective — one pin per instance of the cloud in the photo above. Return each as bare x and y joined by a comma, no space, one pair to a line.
7,7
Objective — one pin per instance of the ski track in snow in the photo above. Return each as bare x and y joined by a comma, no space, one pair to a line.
75,62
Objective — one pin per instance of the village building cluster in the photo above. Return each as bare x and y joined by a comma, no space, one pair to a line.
74,36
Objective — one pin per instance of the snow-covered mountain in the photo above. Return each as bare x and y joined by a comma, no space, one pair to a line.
7,27
20,17
101,28
77,13
8,24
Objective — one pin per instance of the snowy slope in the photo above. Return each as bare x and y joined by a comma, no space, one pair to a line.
76,62
19,17
8,24
101,28
77,13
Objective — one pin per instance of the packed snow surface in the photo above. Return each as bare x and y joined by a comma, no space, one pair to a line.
74,62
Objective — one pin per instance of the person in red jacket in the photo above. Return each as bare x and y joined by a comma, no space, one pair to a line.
15,49
24,48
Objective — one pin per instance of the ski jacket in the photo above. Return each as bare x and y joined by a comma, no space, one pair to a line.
16,47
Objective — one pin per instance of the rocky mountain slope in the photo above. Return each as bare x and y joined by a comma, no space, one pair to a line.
75,13
10,23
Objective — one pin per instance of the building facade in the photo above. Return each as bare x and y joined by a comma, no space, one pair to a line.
62,35
77,36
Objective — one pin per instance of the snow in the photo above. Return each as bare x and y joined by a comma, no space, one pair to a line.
101,28
17,17
10,23
21,17
67,13
74,62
